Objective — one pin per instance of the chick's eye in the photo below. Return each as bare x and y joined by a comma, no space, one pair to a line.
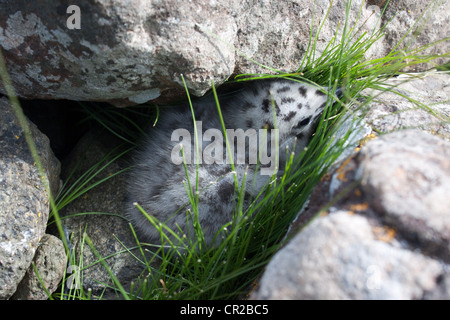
304,122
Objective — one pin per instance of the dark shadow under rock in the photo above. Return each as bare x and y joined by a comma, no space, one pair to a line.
99,215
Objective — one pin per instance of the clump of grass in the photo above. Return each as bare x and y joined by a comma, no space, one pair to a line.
191,270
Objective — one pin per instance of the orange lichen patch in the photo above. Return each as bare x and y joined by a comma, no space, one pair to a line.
359,206
342,170
323,213
253,286
366,139
357,193
384,233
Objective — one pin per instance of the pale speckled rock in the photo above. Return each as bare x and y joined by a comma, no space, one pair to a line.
385,238
390,111
50,261
24,201
129,52
434,26
406,177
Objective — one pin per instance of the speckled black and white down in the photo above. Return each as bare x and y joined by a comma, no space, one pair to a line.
156,183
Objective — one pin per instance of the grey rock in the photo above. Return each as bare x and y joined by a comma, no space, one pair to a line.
385,239
24,201
406,177
133,52
434,26
443,289
351,129
390,111
50,261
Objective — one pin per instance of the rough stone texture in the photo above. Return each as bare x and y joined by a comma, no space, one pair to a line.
390,112
24,202
132,50
387,238
129,52
406,177
102,229
340,257
50,261
433,27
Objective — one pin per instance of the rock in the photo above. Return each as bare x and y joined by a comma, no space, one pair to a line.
340,257
351,129
50,261
109,232
433,27
391,112
387,238
406,177
134,52
24,201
